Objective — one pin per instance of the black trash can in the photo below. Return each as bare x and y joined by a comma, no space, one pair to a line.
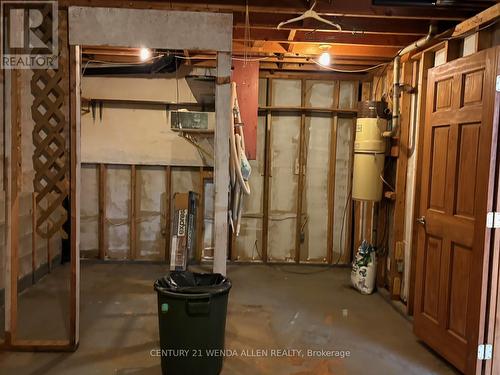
192,311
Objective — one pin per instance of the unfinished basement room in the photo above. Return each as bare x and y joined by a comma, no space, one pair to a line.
250,187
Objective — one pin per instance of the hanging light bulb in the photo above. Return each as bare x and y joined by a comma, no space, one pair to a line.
145,54
324,59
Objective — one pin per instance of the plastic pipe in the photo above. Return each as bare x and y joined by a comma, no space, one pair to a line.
396,77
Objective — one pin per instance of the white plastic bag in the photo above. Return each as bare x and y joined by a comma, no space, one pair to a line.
364,269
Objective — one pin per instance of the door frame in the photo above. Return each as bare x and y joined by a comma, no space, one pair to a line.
96,26
492,243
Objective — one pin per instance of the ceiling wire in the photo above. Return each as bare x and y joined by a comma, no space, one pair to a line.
461,36
350,70
114,63
246,43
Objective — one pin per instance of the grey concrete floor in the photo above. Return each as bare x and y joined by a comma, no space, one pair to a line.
269,308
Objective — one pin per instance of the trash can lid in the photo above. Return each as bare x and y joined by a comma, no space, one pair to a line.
186,282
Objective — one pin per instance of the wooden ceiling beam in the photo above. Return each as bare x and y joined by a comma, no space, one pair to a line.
308,49
308,67
489,15
292,67
344,60
283,36
112,50
349,24
291,37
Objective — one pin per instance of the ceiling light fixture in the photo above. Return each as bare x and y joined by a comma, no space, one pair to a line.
145,54
324,59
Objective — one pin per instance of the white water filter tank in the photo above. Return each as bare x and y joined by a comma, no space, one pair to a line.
369,151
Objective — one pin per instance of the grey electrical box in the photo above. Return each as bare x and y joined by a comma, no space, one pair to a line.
189,120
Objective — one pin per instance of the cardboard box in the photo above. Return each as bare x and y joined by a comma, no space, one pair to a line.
183,241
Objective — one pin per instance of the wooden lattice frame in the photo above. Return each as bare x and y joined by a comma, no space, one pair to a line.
50,157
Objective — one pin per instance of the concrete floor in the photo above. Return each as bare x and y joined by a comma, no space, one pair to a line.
269,308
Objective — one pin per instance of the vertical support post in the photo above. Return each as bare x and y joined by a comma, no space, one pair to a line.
6,184
133,212
33,236
12,157
199,217
102,211
221,174
49,250
347,250
399,208
301,169
168,210
49,253
331,188
267,172
75,194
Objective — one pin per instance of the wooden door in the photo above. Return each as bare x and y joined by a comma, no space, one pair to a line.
451,262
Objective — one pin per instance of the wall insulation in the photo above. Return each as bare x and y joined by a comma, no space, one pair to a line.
343,173
151,199
117,219
322,132
150,205
315,205
248,245
89,211
283,187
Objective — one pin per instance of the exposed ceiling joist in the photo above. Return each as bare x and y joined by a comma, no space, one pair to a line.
371,34
488,15
349,24
457,11
309,49
318,37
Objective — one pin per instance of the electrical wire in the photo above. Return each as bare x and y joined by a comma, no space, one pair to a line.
388,184
341,253
140,219
214,58
114,63
250,59
349,70
461,36
246,44
384,180
378,80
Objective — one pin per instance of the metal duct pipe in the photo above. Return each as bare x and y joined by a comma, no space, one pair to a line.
396,77
164,64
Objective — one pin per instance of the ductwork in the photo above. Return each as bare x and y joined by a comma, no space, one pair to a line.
165,64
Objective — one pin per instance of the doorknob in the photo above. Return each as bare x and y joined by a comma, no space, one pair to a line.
421,220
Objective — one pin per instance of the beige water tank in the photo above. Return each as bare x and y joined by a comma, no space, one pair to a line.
369,151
